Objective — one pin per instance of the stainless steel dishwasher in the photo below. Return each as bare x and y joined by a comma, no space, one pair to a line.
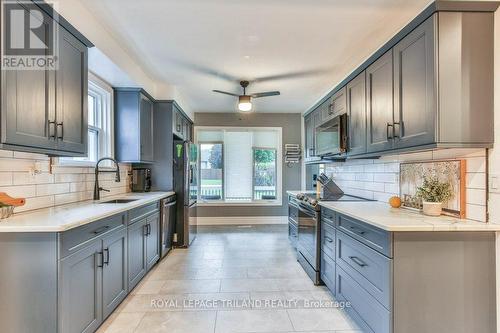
167,225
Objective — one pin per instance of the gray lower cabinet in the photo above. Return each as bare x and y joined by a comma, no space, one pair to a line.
45,111
356,112
81,290
143,243
136,253
379,107
152,240
114,275
391,280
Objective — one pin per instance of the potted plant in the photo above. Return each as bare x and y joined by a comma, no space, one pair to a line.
433,193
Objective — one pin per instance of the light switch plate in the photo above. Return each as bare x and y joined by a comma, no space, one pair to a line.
494,183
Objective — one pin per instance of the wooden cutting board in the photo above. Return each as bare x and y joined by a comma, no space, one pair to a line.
8,200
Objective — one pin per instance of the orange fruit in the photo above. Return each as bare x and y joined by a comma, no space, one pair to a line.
395,202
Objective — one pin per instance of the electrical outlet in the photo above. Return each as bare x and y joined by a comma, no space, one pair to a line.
494,184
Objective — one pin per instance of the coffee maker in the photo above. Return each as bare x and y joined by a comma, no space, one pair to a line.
141,180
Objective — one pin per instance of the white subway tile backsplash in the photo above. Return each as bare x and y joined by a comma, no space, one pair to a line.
378,179
27,175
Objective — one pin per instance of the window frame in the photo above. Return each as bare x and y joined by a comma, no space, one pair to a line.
275,172
279,166
98,88
199,169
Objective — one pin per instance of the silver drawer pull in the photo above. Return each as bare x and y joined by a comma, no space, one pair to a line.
358,261
328,239
357,232
101,230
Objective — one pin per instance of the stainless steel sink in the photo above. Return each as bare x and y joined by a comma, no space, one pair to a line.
118,201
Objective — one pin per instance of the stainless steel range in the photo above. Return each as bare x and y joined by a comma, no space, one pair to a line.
309,228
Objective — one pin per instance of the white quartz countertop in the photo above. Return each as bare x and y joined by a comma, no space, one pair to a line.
383,216
62,218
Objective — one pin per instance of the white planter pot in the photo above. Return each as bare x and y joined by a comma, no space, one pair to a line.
432,208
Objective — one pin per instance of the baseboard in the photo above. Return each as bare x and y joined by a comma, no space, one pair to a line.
238,220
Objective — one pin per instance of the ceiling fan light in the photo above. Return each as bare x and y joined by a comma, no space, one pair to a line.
245,104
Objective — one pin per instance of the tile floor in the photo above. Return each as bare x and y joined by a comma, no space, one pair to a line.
232,279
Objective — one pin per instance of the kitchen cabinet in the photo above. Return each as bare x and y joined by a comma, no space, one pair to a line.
422,90
334,106
71,94
309,136
393,279
136,253
181,125
81,290
152,240
356,112
133,126
143,242
45,111
380,113
114,274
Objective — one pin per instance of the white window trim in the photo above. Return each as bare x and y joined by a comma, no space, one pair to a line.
99,86
279,165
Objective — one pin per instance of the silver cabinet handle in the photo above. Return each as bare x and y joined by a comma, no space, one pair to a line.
359,232
358,261
399,130
61,124
106,258
391,126
328,239
52,129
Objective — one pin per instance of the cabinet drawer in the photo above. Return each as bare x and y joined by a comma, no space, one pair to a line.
372,270
327,270
378,239
328,239
74,239
328,215
138,213
369,314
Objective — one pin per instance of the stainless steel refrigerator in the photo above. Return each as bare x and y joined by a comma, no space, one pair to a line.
186,188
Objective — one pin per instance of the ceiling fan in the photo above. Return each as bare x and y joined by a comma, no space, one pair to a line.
245,101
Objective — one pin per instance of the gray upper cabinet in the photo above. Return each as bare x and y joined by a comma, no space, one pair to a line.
146,129
309,136
45,111
133,125
414,87
379,92
335,106
356,111
72,88
114,274
81,290
181,126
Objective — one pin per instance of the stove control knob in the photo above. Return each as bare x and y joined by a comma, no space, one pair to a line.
313,202
300,196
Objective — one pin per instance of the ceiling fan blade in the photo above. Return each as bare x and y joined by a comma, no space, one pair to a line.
226,93
295,75
265,94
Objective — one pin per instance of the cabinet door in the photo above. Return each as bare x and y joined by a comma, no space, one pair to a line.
414,87
80,290
356,110
177,122
316,122
136,252
72,92
114,273
336,105
28,102
309,138
153,240
379,92
146,129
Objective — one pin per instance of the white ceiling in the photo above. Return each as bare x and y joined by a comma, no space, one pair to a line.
301,47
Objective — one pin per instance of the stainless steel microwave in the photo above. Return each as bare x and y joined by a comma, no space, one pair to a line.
331,137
